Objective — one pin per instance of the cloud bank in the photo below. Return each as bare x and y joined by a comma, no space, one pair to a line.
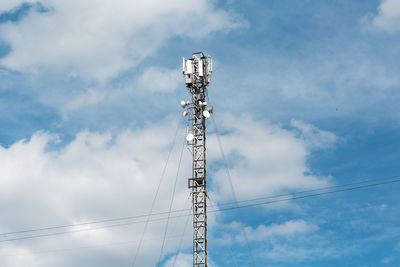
265,158
99,39
98,176
388,17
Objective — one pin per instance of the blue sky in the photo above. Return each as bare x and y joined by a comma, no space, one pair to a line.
305,93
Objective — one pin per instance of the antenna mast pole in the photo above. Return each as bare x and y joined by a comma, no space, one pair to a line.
197,71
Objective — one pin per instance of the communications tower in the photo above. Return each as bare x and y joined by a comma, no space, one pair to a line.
197,72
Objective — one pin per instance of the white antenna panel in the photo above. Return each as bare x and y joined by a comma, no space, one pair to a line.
201,68
189,66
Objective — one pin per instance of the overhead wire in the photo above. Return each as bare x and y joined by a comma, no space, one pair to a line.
294,197
156,194
86,230
122,243
171,202
181,239
307,196
312,190
212,211
188,216
225,161
180,210
226,244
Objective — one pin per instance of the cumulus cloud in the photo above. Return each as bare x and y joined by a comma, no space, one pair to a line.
182,260
265,158
387,260
109,175
9,5
288,253
84,99
93,177
99,39
349,83
288,229
313,136
12,254
160,79
387,19
290,241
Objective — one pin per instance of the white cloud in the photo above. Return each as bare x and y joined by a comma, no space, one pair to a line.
160,79
107,175
289,229
99,39
288,253
349,84
387,19
88,98
9,5
291,241
12,254
185,260
266,159
182,260
314,137
95,176
3,72
387,260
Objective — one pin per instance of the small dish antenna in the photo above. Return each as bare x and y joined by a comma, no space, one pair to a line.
189,137
206,113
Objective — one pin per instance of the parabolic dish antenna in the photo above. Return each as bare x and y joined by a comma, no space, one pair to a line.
189,137
206,113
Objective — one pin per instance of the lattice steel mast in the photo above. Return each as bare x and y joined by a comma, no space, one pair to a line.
197,71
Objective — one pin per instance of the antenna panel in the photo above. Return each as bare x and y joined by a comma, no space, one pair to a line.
201,68
189,66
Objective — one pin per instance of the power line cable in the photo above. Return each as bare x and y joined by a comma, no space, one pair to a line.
216,210
211,211
181,238
123,243
392,180
306,196
232,189
312,190
226,244
172,201
86,230
156,194
181,212
176,211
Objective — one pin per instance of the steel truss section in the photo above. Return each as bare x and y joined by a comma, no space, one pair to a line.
198,182
197,75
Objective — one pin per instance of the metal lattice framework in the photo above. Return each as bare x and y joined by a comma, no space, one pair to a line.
197,71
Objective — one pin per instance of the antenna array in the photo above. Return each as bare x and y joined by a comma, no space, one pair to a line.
197,72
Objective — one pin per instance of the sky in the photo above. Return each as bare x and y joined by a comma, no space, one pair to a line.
305,95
